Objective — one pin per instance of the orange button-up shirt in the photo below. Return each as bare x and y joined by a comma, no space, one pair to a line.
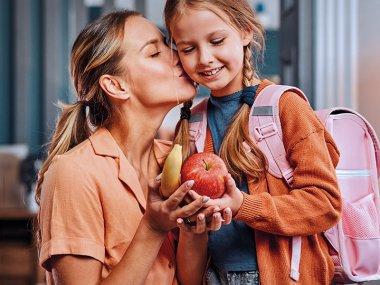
92,204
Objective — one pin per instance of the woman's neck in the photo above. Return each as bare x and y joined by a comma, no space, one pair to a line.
135,137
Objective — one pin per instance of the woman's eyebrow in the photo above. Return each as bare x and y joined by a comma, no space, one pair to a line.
154,41
150,42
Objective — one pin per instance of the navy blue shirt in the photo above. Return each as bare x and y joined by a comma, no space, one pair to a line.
232,247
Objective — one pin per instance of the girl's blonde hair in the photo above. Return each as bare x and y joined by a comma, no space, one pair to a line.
96,51
240,15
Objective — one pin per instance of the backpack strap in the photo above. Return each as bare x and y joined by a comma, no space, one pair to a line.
198,125
324,114
265,129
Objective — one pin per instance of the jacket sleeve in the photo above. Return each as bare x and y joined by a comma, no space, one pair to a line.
314,204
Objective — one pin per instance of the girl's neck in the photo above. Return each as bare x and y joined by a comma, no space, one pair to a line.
220,93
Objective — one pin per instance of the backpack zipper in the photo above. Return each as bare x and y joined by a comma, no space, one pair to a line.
355,173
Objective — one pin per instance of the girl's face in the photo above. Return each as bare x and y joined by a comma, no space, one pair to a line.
211,50
152,68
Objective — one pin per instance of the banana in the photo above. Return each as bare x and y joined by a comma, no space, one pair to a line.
171,173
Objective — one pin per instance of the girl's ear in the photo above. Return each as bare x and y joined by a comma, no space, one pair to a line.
114,87
246,37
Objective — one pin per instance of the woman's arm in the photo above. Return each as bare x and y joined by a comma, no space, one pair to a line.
132,269
191,257
160,217
192,245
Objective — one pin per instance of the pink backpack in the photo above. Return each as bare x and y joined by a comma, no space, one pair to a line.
355,240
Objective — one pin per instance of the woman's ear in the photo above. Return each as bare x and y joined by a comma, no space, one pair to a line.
246,37
114,87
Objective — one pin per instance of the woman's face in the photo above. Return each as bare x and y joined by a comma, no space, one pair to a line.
152,68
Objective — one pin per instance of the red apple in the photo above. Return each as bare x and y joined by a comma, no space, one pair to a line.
208,172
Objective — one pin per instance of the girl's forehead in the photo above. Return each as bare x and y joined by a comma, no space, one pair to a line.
199,21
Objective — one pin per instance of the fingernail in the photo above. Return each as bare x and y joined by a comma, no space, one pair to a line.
190,184
217,216
179,221
216,209
205,199
228,211
158,178
201,217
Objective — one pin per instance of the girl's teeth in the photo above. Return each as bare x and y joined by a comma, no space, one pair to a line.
212,72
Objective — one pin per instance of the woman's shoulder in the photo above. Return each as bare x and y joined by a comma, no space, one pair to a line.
79,164
78,155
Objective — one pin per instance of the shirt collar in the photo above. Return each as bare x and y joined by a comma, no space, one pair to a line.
104,144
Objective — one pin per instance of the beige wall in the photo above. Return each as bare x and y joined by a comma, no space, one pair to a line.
369,61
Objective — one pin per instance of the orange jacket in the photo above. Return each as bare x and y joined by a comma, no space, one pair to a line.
312,206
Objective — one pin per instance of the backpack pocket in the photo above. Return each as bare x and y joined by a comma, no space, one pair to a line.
361,231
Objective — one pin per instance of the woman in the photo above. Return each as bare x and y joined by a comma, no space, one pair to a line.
101,219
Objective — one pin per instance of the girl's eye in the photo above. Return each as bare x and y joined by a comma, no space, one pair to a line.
217,41
188,50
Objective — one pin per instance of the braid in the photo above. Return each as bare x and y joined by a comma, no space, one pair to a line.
240,162
182,136
248,72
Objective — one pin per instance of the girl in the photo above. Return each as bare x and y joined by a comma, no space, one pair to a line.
100,221
215,39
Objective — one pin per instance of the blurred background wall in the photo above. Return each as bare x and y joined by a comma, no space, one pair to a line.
328,48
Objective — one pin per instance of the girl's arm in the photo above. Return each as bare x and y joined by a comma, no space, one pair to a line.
135,265
314,203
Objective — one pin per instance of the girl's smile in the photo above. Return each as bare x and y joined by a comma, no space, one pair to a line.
211,50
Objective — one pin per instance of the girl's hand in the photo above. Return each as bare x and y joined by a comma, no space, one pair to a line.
232,198
162,215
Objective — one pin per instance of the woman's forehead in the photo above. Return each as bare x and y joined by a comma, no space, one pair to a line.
138,31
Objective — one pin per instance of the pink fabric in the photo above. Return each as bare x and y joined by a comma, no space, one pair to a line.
356,238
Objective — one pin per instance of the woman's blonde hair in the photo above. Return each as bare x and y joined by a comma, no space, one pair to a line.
96,51
240,15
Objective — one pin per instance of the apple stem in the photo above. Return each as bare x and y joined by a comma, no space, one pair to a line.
206,165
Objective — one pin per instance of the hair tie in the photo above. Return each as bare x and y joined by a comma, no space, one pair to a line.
83,103
248,95
185,113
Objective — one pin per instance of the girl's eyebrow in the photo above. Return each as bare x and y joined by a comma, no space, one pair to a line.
208,36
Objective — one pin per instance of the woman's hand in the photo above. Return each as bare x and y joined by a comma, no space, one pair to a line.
162,215
207,219
232,198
